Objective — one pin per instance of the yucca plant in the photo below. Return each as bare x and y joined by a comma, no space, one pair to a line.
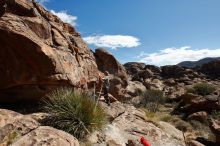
73,112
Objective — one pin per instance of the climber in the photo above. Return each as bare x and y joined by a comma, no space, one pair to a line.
144,141
106,86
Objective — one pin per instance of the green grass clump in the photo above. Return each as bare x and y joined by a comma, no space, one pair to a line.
152,99
74,112
204,88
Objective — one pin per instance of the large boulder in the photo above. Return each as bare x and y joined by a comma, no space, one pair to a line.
39,52
22,130
134,67
48,136
191,103
140,71
118,76
135,88
215,127
199,116
130,124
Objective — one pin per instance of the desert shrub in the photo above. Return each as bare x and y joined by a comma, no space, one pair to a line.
166,118
204,88
215,115
202,130
152,99
73,112
181,124
191,90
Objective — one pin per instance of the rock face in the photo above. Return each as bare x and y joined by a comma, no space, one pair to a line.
212,69
199,116
130,124
176,71
39,52
22,130
47,136
191,103
141,72
118,75
215,127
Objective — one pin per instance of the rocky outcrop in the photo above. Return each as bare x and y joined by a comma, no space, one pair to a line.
215,127
212,69
191,103
39,53
141,72
118,75
175,71
134,67
135,88
47,136
19,130
199,116
130,124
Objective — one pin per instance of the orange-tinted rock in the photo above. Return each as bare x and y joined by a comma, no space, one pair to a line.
38,52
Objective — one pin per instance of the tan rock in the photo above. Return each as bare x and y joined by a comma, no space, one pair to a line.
16,129
199,116
215,128
171,130
155,84
47,136
7,116
132,124
135,88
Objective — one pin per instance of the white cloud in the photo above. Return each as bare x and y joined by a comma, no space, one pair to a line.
42,1
65,17
171,56
113,41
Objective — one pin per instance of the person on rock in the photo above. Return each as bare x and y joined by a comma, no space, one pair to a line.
106,86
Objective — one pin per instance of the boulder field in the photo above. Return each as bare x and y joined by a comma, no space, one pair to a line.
39,53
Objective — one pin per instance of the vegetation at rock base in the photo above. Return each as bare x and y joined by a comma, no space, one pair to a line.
203,89
74,112
152,99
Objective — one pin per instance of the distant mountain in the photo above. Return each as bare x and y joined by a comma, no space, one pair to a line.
192,64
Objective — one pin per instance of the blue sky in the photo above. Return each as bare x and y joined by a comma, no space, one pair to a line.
156,32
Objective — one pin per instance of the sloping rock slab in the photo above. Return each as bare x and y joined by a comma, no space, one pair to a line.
47,136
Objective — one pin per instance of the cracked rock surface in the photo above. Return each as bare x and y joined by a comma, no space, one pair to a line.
25,131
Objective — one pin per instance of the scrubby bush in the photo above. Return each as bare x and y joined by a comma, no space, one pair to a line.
152,99
191,90
73,112
181,124
204,88
215,115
